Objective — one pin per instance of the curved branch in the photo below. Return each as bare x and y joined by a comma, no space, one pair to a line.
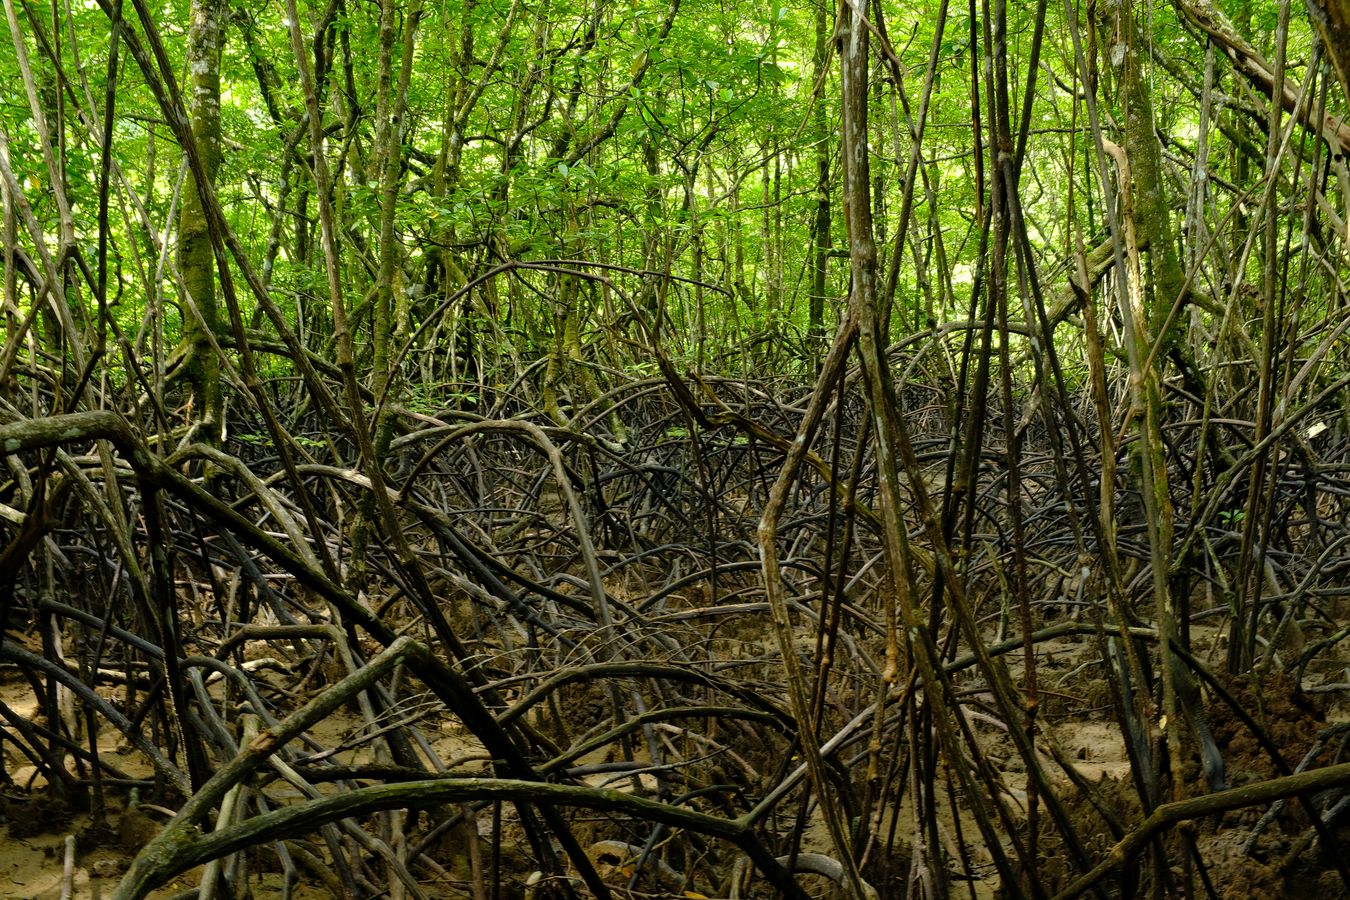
186,851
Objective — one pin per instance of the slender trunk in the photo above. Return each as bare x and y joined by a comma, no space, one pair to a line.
1332,18
196,259
1146,221
391,105
820,228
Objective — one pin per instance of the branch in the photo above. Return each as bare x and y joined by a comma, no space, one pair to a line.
183,850
1170,814
1249,62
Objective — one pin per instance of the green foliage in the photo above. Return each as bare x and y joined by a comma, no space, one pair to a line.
604,132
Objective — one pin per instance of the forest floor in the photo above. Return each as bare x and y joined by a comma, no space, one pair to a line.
600,616
1076,710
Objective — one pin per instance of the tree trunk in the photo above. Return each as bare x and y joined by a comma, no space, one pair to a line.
820,229
1332,18
391,105
196,260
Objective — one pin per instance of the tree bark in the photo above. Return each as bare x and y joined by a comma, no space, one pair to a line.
196,259
1332,19
820,230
